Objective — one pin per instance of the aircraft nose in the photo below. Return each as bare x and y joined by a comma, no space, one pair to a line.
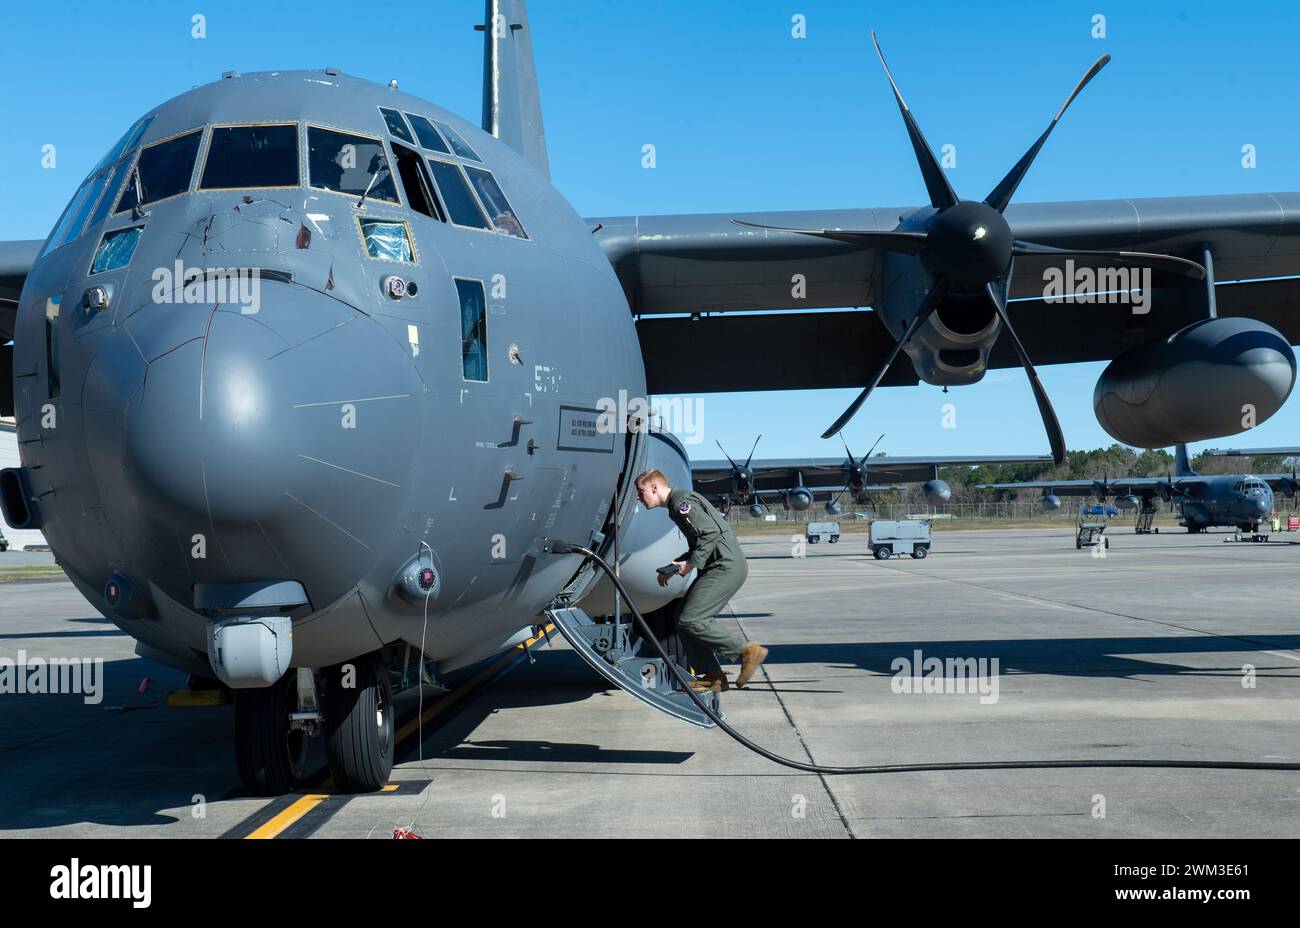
274,443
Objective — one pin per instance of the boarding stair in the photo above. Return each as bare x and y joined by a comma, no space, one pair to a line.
1146,517
611,646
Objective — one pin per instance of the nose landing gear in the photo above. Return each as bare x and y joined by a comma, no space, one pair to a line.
273,725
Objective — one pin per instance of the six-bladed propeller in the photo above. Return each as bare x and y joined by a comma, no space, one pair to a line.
967,247
856,472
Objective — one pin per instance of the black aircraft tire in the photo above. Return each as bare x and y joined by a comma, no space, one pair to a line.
270,756
359,726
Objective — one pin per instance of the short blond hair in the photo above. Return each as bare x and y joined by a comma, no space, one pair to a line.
653,473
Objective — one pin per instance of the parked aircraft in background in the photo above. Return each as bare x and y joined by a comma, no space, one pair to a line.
1242,501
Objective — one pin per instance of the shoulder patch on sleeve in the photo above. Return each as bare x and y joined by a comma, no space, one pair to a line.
684,506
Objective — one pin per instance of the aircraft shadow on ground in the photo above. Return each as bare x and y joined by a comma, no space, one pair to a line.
1072,657
72,763
558,677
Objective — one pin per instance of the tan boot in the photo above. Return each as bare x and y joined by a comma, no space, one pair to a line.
715,681
751,656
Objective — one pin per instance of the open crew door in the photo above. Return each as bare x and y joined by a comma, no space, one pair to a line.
615,651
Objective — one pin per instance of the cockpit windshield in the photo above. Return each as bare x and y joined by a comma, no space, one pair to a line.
252,156
458,143
429,137
163,170
346,163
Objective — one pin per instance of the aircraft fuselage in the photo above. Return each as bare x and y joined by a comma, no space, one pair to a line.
340,426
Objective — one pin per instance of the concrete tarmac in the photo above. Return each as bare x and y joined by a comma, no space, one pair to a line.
1171,646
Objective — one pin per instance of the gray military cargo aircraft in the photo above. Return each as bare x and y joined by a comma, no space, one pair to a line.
798,482
1242,501
246,435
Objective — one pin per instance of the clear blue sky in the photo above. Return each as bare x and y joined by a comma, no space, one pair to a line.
744,117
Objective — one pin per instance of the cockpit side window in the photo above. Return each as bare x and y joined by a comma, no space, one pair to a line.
458,144
427,134
346,163
473,329
52,353
116,249
459,199
127,142
252,156
110,193
396,125
416,183
495,202
387,239
163,170
60,234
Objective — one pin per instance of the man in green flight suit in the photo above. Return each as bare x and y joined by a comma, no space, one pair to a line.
716,554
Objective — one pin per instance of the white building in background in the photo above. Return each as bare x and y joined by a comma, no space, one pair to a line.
9,458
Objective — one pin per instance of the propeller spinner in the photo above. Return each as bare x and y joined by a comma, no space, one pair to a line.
967,247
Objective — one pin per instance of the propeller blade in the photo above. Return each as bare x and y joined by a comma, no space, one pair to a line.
873,448
938,290
1055,437
1002,193
751,451
1133,258
906,243
936,183
725,455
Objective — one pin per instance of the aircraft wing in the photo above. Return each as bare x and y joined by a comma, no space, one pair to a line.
1252,452
1122,486
825,494
785,473
16,259
918,469
672,266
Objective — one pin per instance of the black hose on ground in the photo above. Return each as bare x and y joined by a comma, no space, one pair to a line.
560,547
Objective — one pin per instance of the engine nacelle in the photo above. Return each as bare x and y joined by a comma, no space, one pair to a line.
756,510
834,507
936,492
798,499
1127,503
1214,378
1051,502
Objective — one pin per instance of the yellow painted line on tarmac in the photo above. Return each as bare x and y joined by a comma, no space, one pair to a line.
290,815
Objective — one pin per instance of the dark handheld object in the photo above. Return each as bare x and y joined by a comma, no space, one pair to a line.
666,569
564,547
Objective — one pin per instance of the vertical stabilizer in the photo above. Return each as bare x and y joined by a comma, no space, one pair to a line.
1182,467
512,107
